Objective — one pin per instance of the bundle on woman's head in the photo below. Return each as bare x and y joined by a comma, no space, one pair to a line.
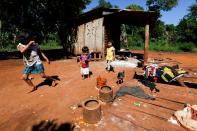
85,49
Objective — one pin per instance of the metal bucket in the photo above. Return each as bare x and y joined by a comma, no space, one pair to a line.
91,111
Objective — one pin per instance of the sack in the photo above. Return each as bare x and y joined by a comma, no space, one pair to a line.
167,75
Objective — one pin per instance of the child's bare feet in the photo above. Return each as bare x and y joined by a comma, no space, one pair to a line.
30,78
83,77
34,89
54,83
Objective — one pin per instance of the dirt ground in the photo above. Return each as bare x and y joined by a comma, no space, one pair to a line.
54,107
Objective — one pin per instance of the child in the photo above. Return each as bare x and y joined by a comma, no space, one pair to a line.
33,64
84,59
110,56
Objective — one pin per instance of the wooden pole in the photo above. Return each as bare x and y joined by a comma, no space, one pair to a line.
146,44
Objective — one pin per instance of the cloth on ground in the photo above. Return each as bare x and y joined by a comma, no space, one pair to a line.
130,63
185,117
150,71
134,91
167,73
170,74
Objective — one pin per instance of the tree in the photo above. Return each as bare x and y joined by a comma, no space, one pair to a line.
104,4
41,16
171,33
158,5
134,7
159,30
187,27
115,6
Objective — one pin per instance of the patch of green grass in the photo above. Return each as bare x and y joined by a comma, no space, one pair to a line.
44,46
135,42
50,45
172,47
9,48
187,47
163,45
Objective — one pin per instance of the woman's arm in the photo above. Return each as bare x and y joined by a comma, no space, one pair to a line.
43,55
22,49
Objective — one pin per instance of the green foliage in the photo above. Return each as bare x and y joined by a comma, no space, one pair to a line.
134,7
187,47
51,44
171,33
6,41
168,32
116,6
104,4
187,27
158,30
135,42
164,45
41,17
161,45
158,5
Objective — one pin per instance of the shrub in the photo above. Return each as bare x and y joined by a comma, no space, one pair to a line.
187,47
161,45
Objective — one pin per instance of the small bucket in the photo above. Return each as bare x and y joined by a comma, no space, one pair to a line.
106,94
91,111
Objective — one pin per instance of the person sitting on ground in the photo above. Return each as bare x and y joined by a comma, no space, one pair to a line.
33,64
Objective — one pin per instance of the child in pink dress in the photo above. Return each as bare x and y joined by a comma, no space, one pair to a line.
84,59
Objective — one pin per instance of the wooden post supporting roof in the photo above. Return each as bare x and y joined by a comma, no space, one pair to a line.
146,46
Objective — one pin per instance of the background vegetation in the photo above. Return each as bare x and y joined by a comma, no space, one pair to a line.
52,22
182,37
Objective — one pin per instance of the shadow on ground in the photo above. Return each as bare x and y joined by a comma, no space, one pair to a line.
51,125
48,81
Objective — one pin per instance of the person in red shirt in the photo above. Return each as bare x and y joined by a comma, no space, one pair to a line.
84,59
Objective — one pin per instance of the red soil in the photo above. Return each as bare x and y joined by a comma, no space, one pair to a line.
20,110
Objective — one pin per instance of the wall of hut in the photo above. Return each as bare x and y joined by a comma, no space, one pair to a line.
90,34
